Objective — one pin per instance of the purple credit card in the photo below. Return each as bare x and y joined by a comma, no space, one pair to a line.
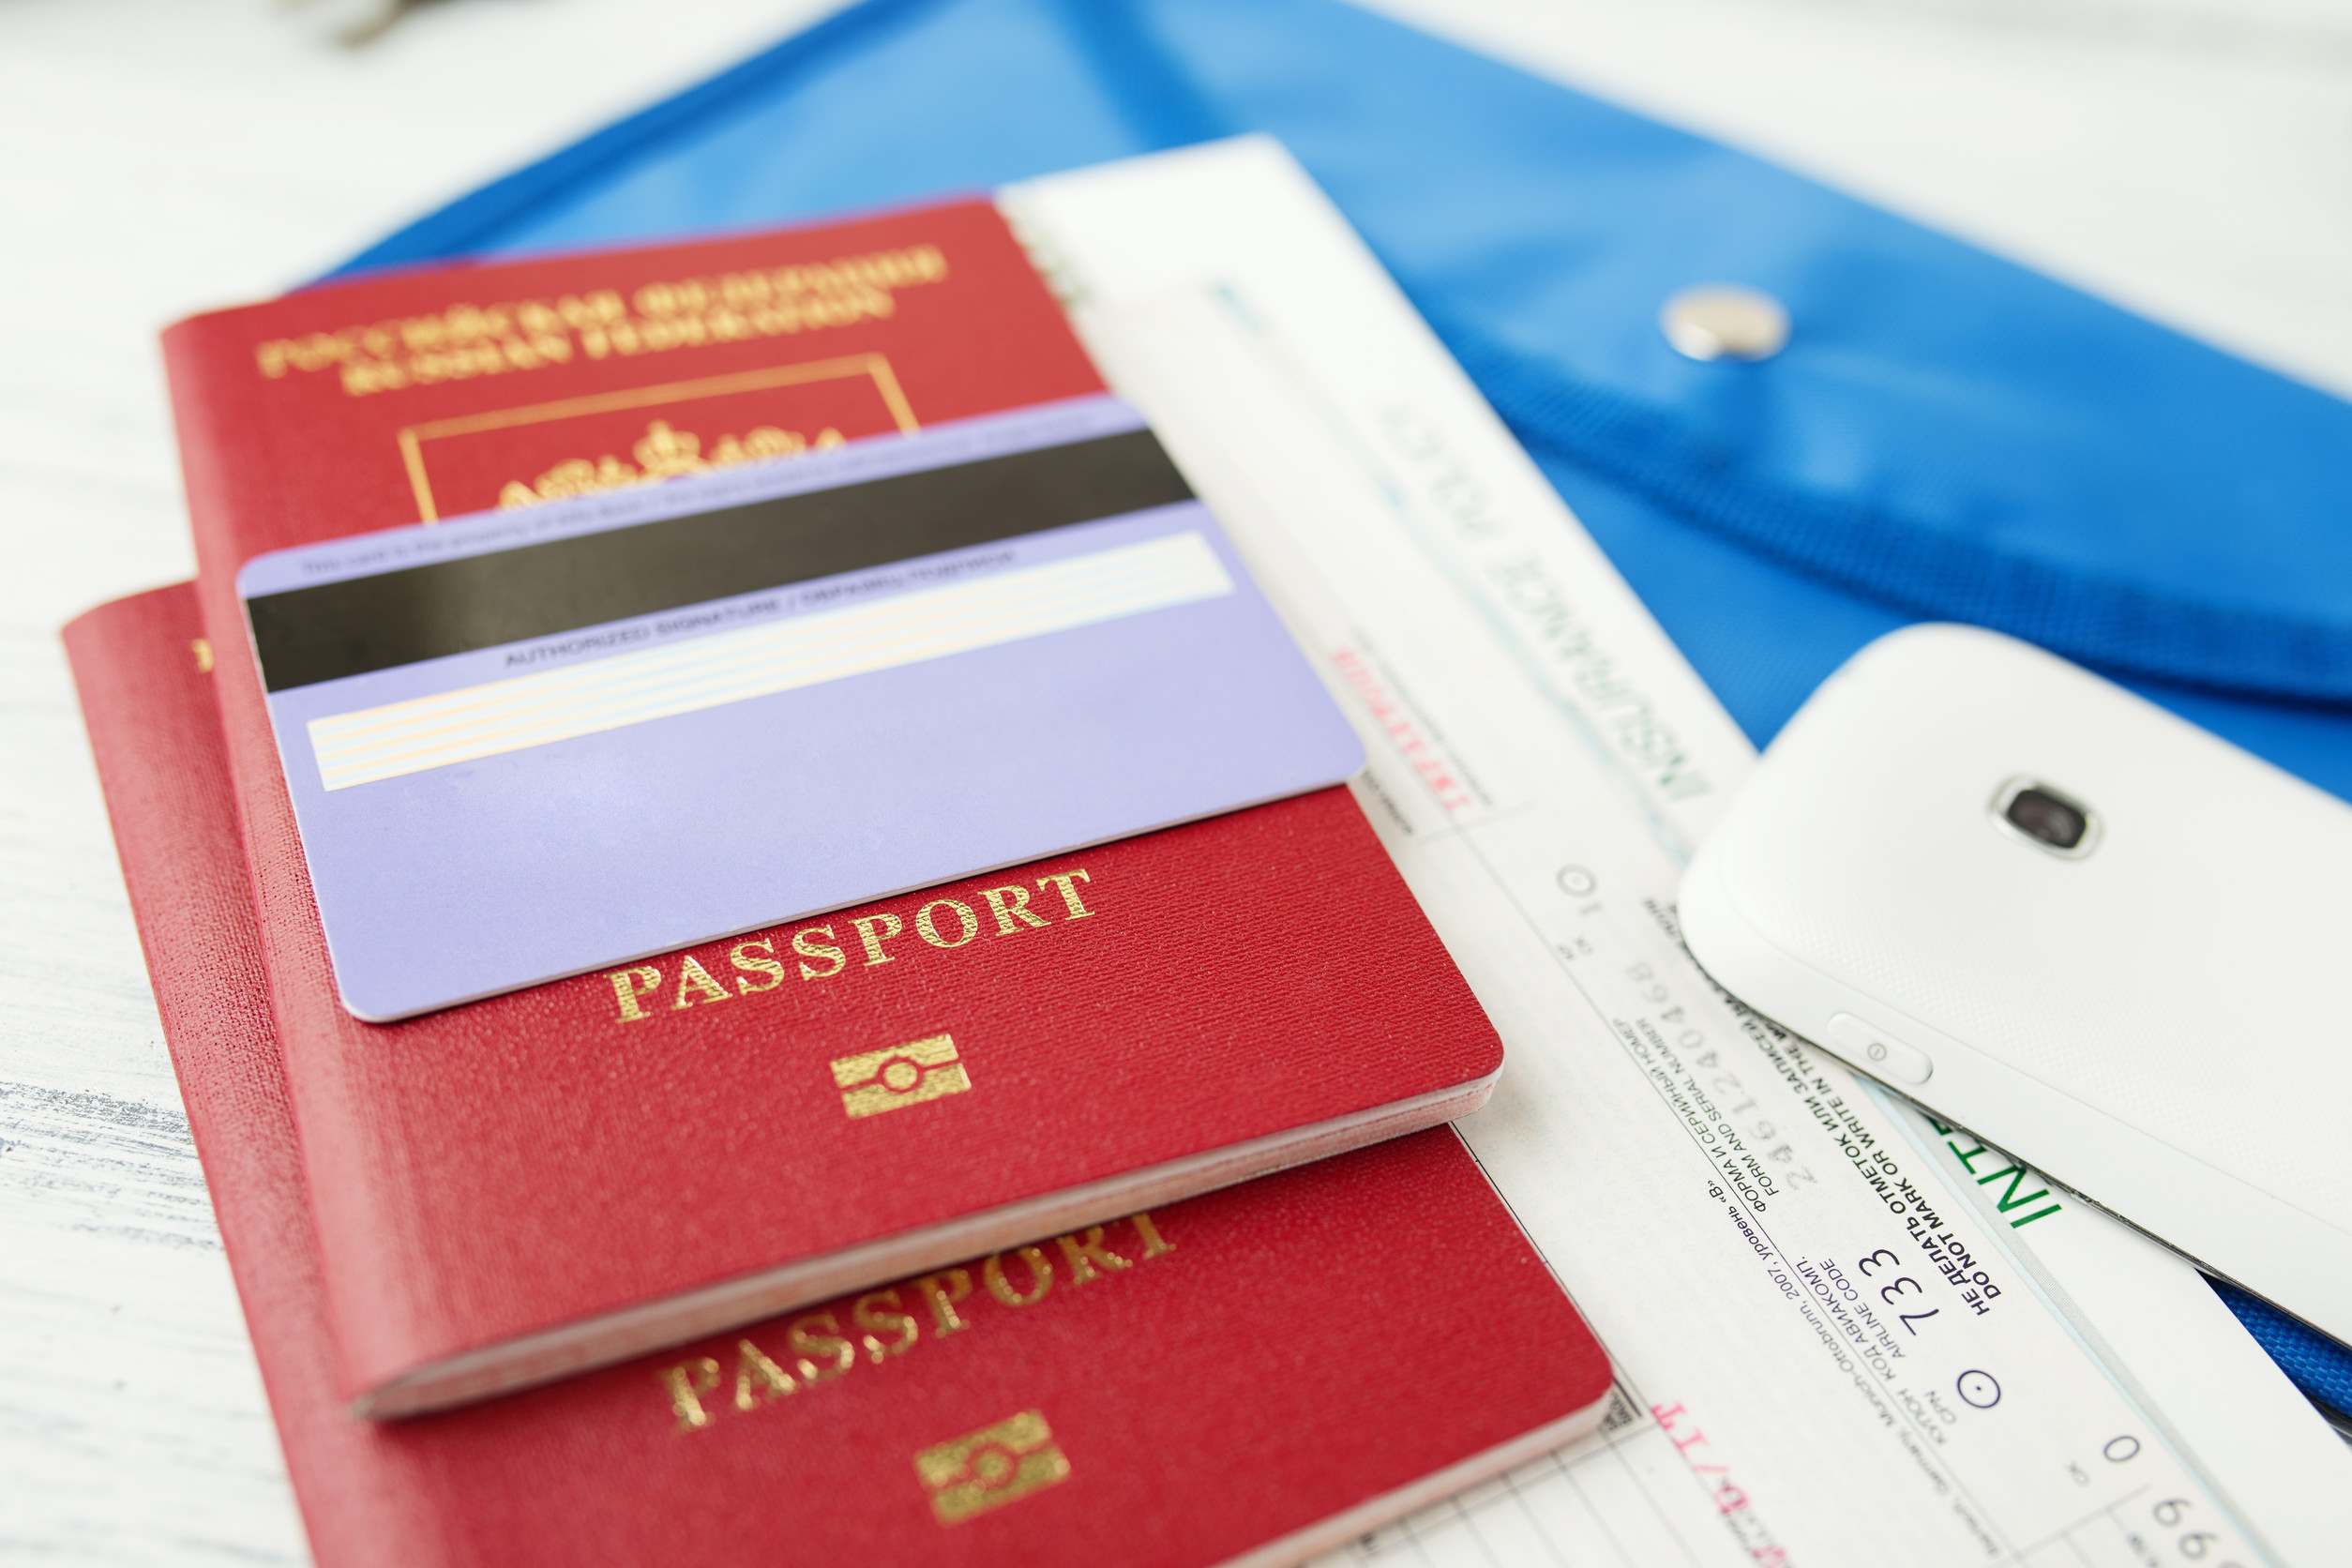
528,744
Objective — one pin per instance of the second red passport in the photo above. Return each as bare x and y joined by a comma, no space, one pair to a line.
561,1178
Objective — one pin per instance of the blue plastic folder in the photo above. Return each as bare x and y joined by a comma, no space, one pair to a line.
1947,435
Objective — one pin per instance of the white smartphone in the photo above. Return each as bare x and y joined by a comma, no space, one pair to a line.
2094,935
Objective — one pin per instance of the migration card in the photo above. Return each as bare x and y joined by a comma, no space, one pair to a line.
525,745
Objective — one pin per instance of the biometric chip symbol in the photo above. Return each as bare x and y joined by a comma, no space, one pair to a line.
987,1468
897,1075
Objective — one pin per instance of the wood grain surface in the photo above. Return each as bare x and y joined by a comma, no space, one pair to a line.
2190,159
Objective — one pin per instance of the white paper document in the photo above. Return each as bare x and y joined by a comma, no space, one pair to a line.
1841,1335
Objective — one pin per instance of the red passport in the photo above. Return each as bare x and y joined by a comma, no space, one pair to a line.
561,1178
1249,1377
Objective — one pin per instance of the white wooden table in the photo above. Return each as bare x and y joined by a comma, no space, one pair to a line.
2192,159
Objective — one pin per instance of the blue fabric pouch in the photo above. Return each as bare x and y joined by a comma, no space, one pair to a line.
1947,435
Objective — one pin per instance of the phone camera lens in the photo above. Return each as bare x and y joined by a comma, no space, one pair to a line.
2038,814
